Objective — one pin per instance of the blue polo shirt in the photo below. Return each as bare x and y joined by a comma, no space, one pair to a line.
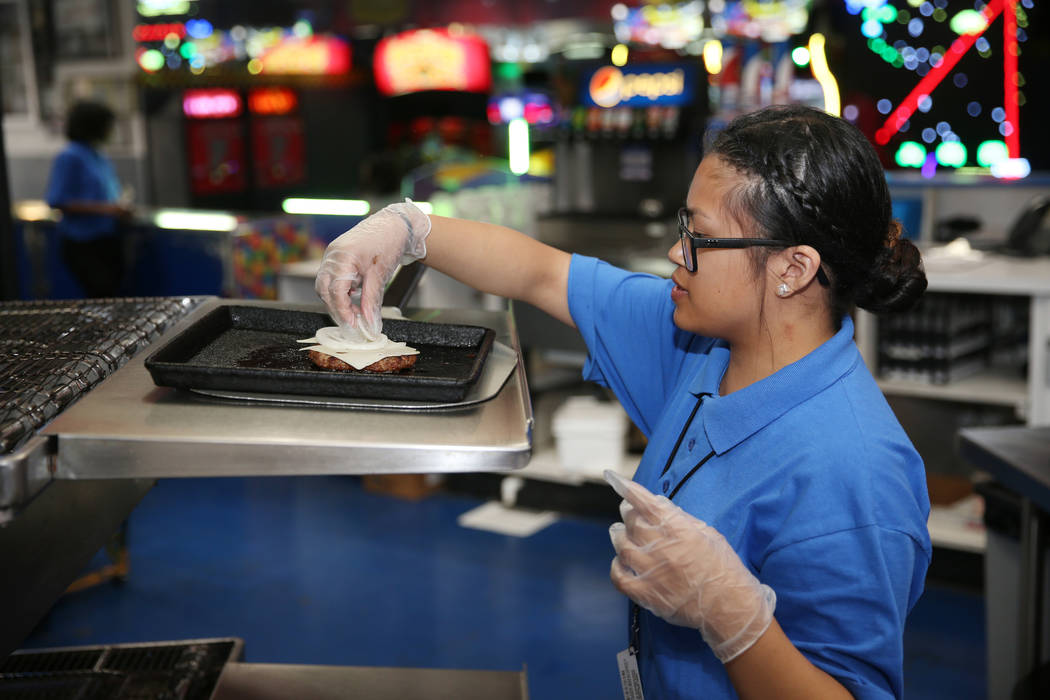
807,473
80,173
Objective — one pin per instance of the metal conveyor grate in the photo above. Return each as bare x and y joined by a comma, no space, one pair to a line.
52,352
158,671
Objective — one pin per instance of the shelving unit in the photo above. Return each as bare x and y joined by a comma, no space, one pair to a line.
994,387
990,275
955,526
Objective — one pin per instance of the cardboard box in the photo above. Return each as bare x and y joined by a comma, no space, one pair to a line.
409,487
946,489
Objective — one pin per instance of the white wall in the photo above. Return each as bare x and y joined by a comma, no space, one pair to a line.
31,145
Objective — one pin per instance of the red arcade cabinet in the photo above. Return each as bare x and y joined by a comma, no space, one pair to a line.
215,141
277,137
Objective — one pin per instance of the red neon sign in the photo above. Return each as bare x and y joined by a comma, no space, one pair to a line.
432,59
157,32
951,57
211,103
272,100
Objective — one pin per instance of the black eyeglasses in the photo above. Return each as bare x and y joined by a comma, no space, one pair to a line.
691,241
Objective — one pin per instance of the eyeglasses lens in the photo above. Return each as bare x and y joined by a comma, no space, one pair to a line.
687,245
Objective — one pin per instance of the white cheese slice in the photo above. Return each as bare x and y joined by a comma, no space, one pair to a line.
332,341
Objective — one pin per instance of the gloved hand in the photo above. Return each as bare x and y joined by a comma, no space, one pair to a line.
362,261
682,570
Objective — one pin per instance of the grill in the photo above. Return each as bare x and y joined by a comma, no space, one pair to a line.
161,671
52,352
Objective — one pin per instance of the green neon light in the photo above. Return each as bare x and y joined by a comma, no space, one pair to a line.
911,154
951,154
991,152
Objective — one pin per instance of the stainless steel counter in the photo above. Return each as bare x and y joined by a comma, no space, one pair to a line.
240,681
1019,457
128,427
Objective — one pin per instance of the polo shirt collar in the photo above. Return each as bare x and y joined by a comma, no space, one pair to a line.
729,420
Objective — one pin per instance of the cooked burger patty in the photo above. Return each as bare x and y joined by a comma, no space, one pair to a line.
387,364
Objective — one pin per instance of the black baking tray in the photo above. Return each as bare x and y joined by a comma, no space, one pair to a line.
254,349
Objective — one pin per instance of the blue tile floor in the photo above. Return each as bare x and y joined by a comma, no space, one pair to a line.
316,570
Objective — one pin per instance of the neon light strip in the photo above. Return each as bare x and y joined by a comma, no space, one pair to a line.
330,207
1013,139
930,81
194,220
818,63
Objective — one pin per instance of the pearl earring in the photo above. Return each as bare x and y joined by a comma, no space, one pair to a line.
783,290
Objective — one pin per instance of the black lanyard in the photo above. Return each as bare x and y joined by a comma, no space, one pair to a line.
636,627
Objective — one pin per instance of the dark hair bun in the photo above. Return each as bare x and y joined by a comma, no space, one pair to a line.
896,281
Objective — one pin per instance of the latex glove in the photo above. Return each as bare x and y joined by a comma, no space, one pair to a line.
358,264
684,571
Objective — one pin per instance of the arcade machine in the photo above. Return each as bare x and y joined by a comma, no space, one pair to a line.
434,84
277,138
216,148
243,153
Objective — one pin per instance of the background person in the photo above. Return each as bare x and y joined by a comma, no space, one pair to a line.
791,508
84,187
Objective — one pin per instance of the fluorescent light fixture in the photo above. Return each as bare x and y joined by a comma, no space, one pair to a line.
583,52
34,210
518,146
194,220
335,207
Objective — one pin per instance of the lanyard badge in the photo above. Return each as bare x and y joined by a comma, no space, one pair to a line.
627,660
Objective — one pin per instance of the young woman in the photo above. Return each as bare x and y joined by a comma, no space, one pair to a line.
790,521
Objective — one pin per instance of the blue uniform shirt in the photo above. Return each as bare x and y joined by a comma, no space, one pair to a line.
809,476
80,173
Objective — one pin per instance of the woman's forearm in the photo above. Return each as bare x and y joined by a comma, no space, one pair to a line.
773,668
501,261
92,207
